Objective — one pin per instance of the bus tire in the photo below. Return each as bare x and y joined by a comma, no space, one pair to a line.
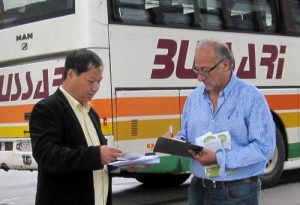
274,167
161,180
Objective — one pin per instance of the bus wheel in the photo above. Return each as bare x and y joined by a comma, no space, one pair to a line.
161,180
274,167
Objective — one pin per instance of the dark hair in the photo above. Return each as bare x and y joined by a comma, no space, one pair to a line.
81,61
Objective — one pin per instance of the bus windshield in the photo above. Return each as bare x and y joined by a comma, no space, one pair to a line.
17,12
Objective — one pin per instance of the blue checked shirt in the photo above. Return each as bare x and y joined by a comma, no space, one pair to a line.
244,113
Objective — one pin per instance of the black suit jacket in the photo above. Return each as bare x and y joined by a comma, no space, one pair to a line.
65,162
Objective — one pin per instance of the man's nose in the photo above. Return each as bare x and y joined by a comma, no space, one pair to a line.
96,86
201,77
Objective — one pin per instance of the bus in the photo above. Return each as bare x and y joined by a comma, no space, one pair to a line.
147,47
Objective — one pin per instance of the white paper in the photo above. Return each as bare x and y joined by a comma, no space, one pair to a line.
130,156
214,142
135,160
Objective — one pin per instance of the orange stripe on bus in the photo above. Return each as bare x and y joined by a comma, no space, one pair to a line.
283,102
14,113
143,106
103,107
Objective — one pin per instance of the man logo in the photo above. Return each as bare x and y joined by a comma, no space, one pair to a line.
23,37
24,46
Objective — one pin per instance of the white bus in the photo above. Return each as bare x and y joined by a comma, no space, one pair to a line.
147,47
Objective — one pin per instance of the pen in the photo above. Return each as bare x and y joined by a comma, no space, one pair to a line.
171,130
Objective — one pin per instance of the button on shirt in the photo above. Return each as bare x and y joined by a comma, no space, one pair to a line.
100,176
243,111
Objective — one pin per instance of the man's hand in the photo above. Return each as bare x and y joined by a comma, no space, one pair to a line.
168,135
131,169
109,154
206,157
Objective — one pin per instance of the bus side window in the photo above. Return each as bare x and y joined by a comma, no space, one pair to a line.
35,9
55,5
217,14
242,15
146,12
23,12
12,15
291,11
170,15
1,13
257,16
296,16
235,15
213,19
130,12
252,21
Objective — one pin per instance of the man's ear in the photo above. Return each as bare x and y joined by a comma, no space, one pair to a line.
227,64
70,73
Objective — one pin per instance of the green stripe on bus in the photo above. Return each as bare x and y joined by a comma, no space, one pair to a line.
169,164
293,150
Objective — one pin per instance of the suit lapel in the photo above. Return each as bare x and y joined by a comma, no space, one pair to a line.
92,114
70,111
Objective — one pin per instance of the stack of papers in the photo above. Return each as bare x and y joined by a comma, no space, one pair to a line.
135,160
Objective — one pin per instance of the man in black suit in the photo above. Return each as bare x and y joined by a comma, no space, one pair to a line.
67,141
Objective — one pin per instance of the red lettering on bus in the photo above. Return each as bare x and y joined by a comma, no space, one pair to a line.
244,72
26,90
165,60
58,72
16,96
250,72
280,63
5,97
27,95
41,94
269,61
181,71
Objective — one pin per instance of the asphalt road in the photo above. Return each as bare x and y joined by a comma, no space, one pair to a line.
18,188
286,192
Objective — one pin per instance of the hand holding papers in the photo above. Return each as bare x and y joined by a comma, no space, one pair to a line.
175,147
214,142
135,160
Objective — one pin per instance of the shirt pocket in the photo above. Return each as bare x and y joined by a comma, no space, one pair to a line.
238,130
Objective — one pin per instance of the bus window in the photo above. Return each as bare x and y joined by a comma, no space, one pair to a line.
236,15
170,15
130,12
166,13
16,12
295,15
239,15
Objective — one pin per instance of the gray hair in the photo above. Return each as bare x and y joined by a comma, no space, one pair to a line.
221,49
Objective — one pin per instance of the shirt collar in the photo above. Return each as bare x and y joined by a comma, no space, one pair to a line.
228,88
75,104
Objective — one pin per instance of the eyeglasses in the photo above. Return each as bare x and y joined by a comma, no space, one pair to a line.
204,71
